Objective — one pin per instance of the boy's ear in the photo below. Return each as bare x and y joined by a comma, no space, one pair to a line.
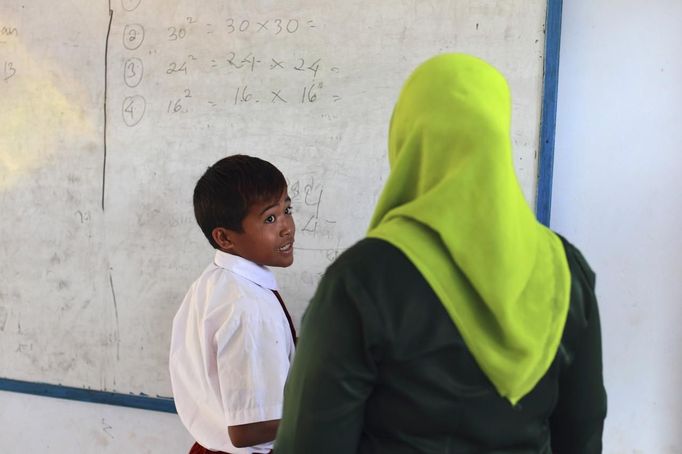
222,237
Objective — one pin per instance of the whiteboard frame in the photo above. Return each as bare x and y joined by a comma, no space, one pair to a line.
542,209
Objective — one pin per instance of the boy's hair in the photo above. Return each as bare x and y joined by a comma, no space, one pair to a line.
227,189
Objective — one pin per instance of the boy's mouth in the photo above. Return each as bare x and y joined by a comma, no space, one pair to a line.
287,247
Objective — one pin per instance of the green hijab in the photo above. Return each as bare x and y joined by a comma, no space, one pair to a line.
453,205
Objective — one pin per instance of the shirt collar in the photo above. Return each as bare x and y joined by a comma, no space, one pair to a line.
258,274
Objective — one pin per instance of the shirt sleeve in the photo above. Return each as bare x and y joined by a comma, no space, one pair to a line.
333,372
577,422
252,362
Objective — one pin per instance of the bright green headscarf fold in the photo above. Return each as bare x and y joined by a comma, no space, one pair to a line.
453,205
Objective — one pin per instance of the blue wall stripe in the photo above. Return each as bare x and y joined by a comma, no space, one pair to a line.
143,401
543,206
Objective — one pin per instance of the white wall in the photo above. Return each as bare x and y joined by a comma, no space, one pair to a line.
44,425
618,196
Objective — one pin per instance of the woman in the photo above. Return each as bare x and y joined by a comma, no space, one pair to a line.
460,324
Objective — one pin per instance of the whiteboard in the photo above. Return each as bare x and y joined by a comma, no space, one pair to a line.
112,110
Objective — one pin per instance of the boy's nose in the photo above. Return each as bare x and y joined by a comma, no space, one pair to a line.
287,228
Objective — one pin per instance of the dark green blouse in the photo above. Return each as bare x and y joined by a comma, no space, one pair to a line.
381,368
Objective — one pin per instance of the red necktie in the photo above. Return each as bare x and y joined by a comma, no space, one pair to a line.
286,313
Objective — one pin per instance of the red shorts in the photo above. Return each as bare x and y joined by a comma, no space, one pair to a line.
198,449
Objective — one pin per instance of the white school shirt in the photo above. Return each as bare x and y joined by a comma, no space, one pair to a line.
231,348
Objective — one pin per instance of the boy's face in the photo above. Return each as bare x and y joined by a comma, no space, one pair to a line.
268,234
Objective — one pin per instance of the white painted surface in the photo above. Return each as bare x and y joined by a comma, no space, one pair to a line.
618,196
31,424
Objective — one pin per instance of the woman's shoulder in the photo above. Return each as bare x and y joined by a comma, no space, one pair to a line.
368,251
577,263
370,259
583,301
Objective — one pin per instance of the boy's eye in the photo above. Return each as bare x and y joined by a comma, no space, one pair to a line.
270,219
289,210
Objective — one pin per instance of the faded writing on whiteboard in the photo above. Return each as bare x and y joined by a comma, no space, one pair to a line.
249,62
8,70
274,27
133,36
8,31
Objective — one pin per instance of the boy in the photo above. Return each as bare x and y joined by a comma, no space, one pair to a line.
232,339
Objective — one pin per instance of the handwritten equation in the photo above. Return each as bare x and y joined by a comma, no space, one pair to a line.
231,62
230,25
264,79
134,33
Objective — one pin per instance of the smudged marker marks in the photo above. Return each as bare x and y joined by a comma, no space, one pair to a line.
9,31
9,70
106,427
106,77
129,5
24,348
117,333
3,318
